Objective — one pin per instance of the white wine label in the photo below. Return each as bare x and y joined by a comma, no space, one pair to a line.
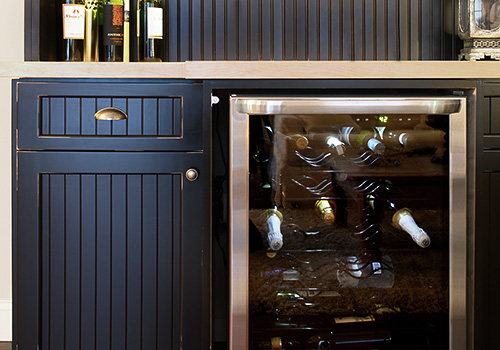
73,21
155,23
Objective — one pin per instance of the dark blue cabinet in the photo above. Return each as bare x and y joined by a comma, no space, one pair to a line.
109,246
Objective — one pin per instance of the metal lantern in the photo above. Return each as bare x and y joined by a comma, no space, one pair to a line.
479,27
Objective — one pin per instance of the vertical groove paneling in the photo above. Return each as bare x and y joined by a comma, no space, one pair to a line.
147,117
267,30
57,264
358,32
277,25
231,28
165,262
176,229
134,257
149,261
72,255
103,262
324,33
118,261
88,267
110,272
311,30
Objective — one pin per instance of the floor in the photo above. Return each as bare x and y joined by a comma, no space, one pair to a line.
4,345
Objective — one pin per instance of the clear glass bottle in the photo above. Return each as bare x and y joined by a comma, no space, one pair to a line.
112,33
149,30
91,42
273,224
73,30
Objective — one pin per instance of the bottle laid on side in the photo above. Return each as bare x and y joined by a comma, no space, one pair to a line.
273,225
149,30
413,139
112,34
300,141
276,343
364,139
73,30
403,220
329,140
326,209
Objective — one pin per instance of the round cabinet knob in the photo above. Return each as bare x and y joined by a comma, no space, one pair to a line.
192,174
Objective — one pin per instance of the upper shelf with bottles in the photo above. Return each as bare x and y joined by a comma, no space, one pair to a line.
101,30
247,30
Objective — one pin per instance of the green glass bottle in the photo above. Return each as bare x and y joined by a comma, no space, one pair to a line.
149,30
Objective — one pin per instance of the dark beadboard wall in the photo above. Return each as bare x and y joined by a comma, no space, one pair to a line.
311,30
284,30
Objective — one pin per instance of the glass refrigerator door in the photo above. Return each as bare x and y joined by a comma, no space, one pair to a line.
348,224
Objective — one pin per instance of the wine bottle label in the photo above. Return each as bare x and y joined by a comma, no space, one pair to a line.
73,21
155,22
113,25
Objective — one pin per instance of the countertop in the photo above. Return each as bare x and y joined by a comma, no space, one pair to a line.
257,70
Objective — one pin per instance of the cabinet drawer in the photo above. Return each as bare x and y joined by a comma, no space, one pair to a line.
60,116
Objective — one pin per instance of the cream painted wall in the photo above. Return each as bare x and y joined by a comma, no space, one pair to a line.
11,49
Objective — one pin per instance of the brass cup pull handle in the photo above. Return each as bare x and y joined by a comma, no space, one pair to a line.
110,113
192,174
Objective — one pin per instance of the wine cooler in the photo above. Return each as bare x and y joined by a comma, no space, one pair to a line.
348,222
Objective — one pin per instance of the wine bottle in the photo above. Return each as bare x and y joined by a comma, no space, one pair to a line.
276,343
112,34
273,224
403,220
149,30
126,30
364,139
352,338
91,41
326,209
300,141
331,141
73,24
413,139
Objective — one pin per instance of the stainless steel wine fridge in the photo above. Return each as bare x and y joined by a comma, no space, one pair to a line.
348,223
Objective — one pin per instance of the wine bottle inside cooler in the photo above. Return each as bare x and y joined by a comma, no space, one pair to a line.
149,30
112,33
73,30
276,343
274,218
402,219
412,139
326,209
362,139
328,140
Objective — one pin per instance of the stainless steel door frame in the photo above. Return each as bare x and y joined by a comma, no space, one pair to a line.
242,107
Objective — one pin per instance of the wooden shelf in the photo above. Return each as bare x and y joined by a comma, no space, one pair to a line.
257,70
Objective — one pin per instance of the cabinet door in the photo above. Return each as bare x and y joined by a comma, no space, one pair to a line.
108,251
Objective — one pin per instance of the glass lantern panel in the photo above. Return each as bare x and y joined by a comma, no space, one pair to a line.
463,7
487,14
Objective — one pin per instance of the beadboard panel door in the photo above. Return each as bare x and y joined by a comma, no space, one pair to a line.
109,251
